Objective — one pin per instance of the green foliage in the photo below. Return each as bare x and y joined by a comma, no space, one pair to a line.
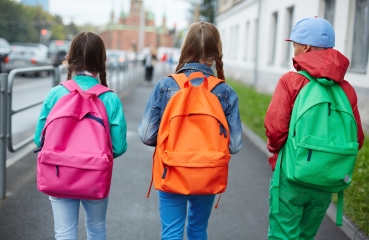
357,195
19,23
253,106
207,10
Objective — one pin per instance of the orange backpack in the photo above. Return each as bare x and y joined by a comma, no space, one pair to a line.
192,151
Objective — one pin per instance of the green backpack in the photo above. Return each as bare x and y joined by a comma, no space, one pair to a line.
321,148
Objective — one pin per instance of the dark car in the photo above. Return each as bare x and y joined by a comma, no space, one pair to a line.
116,59
58,49
4,52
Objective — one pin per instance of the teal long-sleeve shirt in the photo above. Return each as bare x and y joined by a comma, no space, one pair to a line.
113,105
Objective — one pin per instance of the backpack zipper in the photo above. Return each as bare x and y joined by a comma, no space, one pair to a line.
99,120
309,155
165,172
41,144
222,130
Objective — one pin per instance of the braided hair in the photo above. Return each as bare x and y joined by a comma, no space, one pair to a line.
202,43
87,52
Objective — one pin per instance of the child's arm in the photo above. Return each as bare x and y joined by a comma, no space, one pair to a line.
118,124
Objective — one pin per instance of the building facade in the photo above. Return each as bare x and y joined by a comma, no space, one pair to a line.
126,33
253,33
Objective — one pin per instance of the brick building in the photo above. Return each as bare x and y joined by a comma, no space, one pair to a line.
124,33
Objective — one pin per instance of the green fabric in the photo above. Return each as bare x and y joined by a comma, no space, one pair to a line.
321,148
301,211
113,105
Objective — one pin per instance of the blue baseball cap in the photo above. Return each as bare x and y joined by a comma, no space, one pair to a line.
316,32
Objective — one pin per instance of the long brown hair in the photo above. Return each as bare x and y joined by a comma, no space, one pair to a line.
87,52
202,42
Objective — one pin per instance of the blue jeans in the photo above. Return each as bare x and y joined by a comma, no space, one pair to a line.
66,210
173,212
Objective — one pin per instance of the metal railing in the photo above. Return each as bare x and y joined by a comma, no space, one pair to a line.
118,80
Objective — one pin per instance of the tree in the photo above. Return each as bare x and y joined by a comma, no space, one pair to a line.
19,23
207,10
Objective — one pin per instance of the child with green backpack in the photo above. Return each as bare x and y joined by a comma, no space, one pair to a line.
314,132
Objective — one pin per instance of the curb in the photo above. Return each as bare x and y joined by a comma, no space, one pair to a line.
348,227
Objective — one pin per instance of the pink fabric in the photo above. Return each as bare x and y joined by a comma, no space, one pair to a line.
76,159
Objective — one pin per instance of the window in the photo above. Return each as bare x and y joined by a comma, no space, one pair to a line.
273,37
256,26
235,50
289,26
246,43
329,10
224,43
360,46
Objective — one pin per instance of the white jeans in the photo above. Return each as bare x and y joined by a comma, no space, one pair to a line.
66,211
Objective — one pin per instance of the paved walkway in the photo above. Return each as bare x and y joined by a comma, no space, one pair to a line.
242,214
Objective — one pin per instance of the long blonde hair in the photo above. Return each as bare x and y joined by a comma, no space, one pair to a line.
202,42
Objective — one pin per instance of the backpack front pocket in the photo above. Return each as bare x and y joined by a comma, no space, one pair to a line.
195,172
324,163
83,176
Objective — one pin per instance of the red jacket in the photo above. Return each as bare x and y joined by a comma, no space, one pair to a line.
328,63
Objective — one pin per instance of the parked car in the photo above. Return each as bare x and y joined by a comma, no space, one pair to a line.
116,59
4,52
22,57
38,45
58,49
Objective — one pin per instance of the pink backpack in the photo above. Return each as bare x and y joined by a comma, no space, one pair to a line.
75,159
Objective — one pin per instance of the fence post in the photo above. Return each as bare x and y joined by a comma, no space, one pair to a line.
3,124
56,77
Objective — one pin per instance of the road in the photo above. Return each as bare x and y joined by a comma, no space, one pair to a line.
242,212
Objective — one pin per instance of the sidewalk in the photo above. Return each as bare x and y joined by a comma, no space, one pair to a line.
242,213
348,227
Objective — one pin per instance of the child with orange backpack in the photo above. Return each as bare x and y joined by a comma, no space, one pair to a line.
192,118
80,130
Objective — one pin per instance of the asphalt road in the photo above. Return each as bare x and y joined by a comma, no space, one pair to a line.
242,213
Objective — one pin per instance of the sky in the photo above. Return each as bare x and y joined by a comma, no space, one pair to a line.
97,12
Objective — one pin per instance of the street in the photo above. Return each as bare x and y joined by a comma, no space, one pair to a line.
242,213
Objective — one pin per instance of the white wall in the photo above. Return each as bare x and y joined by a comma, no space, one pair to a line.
234,50
239,55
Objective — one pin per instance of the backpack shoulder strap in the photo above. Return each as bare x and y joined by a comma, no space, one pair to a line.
311,78
180,78
213,82
307,75
99,89
71,85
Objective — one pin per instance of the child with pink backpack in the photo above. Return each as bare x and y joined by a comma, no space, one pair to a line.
81,129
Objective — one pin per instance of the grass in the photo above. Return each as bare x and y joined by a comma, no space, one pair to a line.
253,106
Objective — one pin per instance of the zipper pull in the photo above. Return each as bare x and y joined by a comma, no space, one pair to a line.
41,145
222,130
57,170
164,173
309,155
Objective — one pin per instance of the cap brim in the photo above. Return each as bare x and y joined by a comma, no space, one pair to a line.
288,40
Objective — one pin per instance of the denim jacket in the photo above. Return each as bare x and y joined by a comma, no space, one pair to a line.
167,87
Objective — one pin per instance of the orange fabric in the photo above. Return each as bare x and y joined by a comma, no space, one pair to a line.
192,152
